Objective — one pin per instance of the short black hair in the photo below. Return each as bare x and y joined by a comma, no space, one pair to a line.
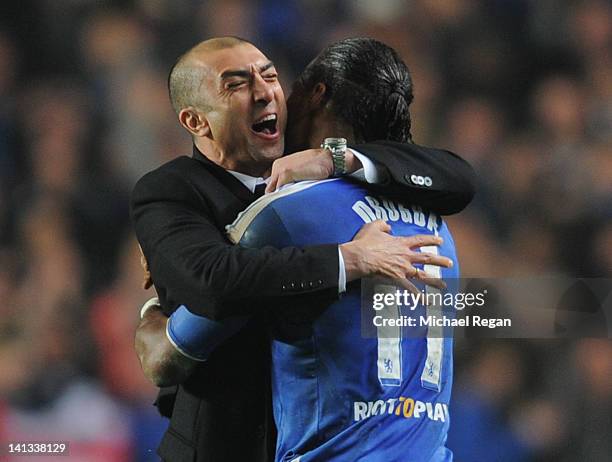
368,86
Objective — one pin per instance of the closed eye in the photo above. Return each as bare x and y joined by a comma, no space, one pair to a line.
235,85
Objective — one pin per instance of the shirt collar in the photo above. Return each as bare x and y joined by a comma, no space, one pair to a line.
249,181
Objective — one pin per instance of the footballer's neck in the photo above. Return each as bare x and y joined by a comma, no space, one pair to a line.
327,125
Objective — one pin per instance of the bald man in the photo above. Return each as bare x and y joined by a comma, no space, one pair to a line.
227,96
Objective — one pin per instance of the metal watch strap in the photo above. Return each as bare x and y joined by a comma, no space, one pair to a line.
337,147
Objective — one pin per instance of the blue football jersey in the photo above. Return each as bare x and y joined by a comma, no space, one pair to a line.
338,393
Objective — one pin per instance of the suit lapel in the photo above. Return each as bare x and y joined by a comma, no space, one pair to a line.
227,179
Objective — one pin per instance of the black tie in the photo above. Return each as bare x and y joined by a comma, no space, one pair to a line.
259,190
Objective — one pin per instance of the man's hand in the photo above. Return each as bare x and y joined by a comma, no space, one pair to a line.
312,164
374,252
161,363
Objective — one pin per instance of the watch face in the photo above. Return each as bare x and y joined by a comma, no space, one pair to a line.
334,143
337,147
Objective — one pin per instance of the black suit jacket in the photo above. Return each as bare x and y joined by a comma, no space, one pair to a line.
180,210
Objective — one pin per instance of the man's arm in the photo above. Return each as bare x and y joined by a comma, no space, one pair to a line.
161,363
169,348
435,179
195,265
432,178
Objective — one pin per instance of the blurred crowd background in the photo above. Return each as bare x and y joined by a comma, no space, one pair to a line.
520,88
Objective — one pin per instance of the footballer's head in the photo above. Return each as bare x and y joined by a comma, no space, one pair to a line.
358,88
226,93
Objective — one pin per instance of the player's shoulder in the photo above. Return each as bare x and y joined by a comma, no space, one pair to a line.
168,180
302,190
329,186
179,167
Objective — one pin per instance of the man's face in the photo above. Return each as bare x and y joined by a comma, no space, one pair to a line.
248,111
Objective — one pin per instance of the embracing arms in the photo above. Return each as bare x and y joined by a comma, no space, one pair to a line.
170,348
434,179
193,264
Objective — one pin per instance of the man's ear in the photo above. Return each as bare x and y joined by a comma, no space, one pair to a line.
194,121
318,95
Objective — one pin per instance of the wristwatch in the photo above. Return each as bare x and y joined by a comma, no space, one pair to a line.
337,147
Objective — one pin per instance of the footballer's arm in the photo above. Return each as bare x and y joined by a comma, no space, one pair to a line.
169,348
161,362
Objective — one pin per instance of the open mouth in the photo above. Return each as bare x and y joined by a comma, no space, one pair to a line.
266,125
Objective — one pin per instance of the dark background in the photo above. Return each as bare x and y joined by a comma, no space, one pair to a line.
521,88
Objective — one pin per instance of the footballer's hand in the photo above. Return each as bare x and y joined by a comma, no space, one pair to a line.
161,362
147,282
375,252
311,164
